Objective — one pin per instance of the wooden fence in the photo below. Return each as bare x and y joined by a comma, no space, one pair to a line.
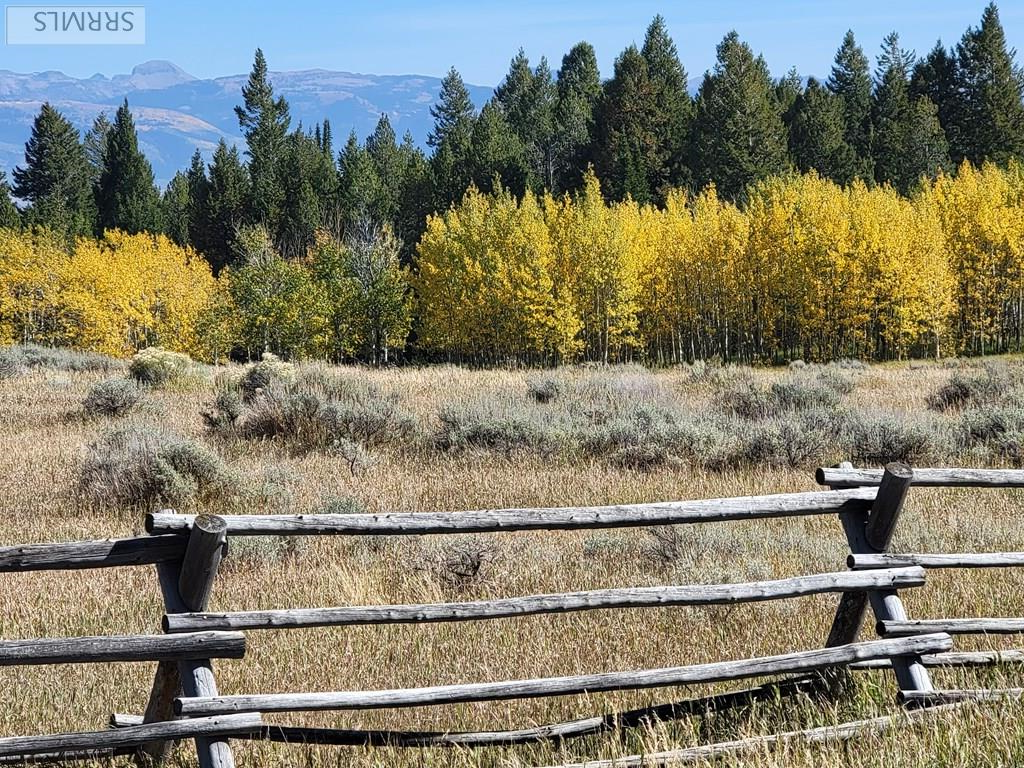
186,704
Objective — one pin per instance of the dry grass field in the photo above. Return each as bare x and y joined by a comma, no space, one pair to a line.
455,439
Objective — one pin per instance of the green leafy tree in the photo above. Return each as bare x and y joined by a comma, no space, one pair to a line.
989,115
629,124
55,179
668,83
579,93
278,305
126,196
851,81
451,138
264,121
817,136
739,136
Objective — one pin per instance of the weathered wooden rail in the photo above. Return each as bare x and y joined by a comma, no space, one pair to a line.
187,550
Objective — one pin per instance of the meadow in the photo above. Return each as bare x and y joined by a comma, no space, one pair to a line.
90,444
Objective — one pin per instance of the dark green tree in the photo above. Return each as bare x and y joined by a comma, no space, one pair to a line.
416,199
989,115
739,136
668,82
126,197
359,187
264,121
579,93
305,201
227,205
629,124
389,165
499,155
95,145
935,77
10,217
55,180
851,81
451,138
890,110
926,150
175,205
198,214
817,137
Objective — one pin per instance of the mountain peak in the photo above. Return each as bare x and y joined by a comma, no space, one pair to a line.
159,73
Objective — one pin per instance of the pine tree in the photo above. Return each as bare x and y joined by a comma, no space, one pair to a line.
579,93
629,124
668,82
989,115
303,163
10,217
388,164
55,178
451,137
175,205
95,145
198,214
264,121
851,81
126,197
227,207
935,77
359,187
416,199
926,150
817,138
739,136
499,156
890,107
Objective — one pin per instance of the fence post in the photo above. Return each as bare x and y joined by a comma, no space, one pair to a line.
871,533
186,588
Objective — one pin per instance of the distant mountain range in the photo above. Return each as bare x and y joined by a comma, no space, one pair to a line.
176,112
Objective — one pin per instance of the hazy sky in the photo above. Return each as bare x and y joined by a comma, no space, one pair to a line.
210,38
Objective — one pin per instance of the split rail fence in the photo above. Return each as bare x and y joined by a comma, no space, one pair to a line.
185,702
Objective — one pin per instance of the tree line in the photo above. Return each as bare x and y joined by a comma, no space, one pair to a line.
363,228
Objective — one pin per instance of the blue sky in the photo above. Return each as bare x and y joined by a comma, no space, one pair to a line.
210,38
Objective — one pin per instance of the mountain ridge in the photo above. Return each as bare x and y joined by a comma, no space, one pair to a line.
176,112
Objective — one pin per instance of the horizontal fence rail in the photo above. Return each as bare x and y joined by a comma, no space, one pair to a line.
533,519
100,553
931,698
951,627
638,597
953,659
123,738
838,477
107,648
936,560
793,663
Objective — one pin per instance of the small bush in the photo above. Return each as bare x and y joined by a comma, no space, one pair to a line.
136,466
964,388
155,366
12,362
543,390
878,439
459,565
259,376
481,426
746,400
226,409
112,397
787,443
643,458
57,359
799,393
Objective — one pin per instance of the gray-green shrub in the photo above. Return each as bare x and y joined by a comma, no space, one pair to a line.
112,397
142,466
